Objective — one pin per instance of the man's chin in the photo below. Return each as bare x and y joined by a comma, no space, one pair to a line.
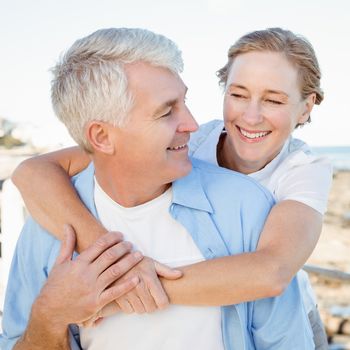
182,170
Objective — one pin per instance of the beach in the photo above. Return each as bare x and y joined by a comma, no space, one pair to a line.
332,251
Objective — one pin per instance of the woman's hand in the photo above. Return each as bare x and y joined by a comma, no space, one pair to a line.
149,294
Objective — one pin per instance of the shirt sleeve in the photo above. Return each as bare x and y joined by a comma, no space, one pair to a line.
281,322
28,274
306,181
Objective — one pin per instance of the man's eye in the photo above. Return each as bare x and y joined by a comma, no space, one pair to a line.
166,115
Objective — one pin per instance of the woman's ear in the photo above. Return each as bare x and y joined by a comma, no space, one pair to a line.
308,104
99,135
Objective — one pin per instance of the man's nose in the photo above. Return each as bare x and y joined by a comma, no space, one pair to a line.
187,123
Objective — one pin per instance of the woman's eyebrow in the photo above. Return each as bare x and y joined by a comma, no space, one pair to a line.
233,85
277,92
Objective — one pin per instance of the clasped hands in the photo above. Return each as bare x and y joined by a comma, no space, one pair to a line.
106,278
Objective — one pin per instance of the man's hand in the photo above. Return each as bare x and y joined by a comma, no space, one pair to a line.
78,289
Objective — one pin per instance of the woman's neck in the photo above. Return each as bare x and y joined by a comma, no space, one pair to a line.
229,159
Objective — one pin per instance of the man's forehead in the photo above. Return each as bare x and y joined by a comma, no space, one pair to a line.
140,71
147,81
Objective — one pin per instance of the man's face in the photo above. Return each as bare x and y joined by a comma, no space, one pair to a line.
153,142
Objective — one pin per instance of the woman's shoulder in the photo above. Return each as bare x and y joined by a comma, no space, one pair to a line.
302,175
207,131
298,159
299,153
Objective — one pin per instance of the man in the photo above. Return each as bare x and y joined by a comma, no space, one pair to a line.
119,94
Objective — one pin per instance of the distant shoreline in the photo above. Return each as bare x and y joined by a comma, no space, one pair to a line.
339,156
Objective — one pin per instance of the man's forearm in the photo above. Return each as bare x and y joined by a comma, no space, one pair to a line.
43,333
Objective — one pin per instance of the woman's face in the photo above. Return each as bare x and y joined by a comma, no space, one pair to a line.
262,106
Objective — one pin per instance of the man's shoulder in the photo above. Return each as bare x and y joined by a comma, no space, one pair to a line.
34,240
237,204
85,176
229,182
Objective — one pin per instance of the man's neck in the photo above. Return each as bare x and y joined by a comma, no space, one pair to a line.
128,191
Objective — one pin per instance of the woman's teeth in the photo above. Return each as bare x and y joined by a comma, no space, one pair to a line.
254,135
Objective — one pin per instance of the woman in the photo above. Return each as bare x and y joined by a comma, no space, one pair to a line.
271,82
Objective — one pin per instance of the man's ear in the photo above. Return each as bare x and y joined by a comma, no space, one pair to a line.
307,108
99,135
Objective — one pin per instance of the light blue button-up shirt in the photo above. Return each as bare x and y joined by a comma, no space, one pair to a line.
224,212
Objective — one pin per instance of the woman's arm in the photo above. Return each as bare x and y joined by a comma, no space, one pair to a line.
290,234
288,238
50,197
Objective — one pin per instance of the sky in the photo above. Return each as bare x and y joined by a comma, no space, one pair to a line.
34,34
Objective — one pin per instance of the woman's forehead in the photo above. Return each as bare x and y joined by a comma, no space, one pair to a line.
270,70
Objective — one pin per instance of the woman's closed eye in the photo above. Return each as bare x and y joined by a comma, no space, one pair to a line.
274,102
237,95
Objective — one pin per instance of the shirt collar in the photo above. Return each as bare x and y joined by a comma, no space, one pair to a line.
187,191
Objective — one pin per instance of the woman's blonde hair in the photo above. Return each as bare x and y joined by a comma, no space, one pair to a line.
296,48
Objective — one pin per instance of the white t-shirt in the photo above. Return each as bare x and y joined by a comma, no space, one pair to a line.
295,173
154,232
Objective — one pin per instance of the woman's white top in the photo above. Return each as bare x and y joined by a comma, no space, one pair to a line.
296,173
154,232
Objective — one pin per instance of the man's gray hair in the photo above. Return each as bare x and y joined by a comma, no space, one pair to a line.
90,82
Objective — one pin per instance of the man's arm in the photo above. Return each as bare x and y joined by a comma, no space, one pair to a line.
43,333
38,311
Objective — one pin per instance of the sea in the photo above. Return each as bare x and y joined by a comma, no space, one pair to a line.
339,156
